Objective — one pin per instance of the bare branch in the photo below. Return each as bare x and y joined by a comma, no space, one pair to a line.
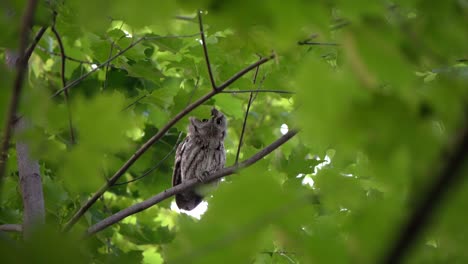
11,228
258,91
185,18
136,101
312,43
38,37
18,84
187,185
205,51
245,118
155,138
110,55
448,176
66,57
173,147
84,76
244,71
155,166
146,95
194,90
64,82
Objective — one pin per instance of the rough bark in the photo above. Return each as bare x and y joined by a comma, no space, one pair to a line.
30,183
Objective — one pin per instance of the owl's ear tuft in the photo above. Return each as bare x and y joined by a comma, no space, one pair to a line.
214,112
192,120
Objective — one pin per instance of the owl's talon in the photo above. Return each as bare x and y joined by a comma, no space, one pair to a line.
203,177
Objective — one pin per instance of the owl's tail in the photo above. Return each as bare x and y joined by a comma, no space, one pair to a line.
188,200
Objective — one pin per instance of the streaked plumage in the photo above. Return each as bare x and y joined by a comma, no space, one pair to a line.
200,154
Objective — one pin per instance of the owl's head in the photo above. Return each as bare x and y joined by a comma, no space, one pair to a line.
215,127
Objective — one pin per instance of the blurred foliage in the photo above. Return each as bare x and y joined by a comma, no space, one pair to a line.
378,102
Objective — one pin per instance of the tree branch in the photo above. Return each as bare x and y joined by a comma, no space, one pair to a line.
66,57
155,166
245,117
31,184
18,84
312,43
447,177
110,55
205,51
258,91
64,82
155,138
38,37
11,228
187,185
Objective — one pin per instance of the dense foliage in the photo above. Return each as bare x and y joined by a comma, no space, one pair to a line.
378,90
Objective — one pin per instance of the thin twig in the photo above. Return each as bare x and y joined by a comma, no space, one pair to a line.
84,76
170,152
66,57
155,138
312,43
205,51
110,55
258,91
185,18
340,23
146,95
194,90
187,185
136,101
155,166
245,117
236,76
18,83
64,82
449,175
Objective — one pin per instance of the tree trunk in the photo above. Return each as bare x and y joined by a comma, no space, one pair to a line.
31,184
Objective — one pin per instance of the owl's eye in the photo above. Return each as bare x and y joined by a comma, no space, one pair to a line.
218,121
204,120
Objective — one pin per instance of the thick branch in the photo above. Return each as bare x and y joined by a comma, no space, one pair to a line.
187,185
11,228
447,178
31,184
155,138
18,84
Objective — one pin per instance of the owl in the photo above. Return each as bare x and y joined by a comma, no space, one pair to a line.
199,155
